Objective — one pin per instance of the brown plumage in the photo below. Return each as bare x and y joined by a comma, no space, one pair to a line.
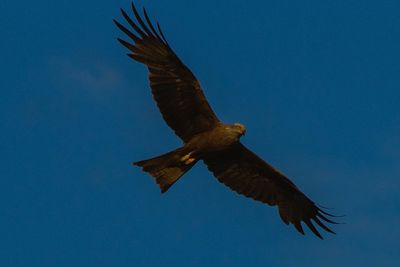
185,109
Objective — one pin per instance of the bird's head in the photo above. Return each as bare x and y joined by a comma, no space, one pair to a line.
239,128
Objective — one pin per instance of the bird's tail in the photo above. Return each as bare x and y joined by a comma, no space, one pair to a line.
169,167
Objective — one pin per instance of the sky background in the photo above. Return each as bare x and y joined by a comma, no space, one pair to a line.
315,82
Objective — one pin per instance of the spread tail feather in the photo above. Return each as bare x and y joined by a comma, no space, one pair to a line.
168,168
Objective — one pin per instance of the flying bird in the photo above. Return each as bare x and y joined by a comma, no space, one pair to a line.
185,109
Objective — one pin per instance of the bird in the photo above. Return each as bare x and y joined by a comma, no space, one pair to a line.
185,109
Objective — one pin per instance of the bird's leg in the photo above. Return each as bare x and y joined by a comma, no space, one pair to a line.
190,160
187,159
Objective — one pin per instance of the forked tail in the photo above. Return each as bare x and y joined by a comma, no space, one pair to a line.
168,168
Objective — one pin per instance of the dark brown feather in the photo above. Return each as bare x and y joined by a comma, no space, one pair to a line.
184,107
176,90
246,173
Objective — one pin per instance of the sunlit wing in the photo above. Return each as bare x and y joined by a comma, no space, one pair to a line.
175,89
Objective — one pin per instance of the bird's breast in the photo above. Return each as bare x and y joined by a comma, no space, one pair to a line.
214,140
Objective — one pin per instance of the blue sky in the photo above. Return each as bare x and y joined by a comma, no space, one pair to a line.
315,82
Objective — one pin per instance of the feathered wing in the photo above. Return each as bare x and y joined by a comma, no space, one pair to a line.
246,173
175,89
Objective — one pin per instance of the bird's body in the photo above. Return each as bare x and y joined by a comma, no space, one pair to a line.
218,138
168,168
185,109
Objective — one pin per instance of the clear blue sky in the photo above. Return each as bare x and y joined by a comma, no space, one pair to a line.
316,83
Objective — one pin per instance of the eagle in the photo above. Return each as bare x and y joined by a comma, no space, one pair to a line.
185,109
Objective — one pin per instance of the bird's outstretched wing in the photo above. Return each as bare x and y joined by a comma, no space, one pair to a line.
246,173
175,89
